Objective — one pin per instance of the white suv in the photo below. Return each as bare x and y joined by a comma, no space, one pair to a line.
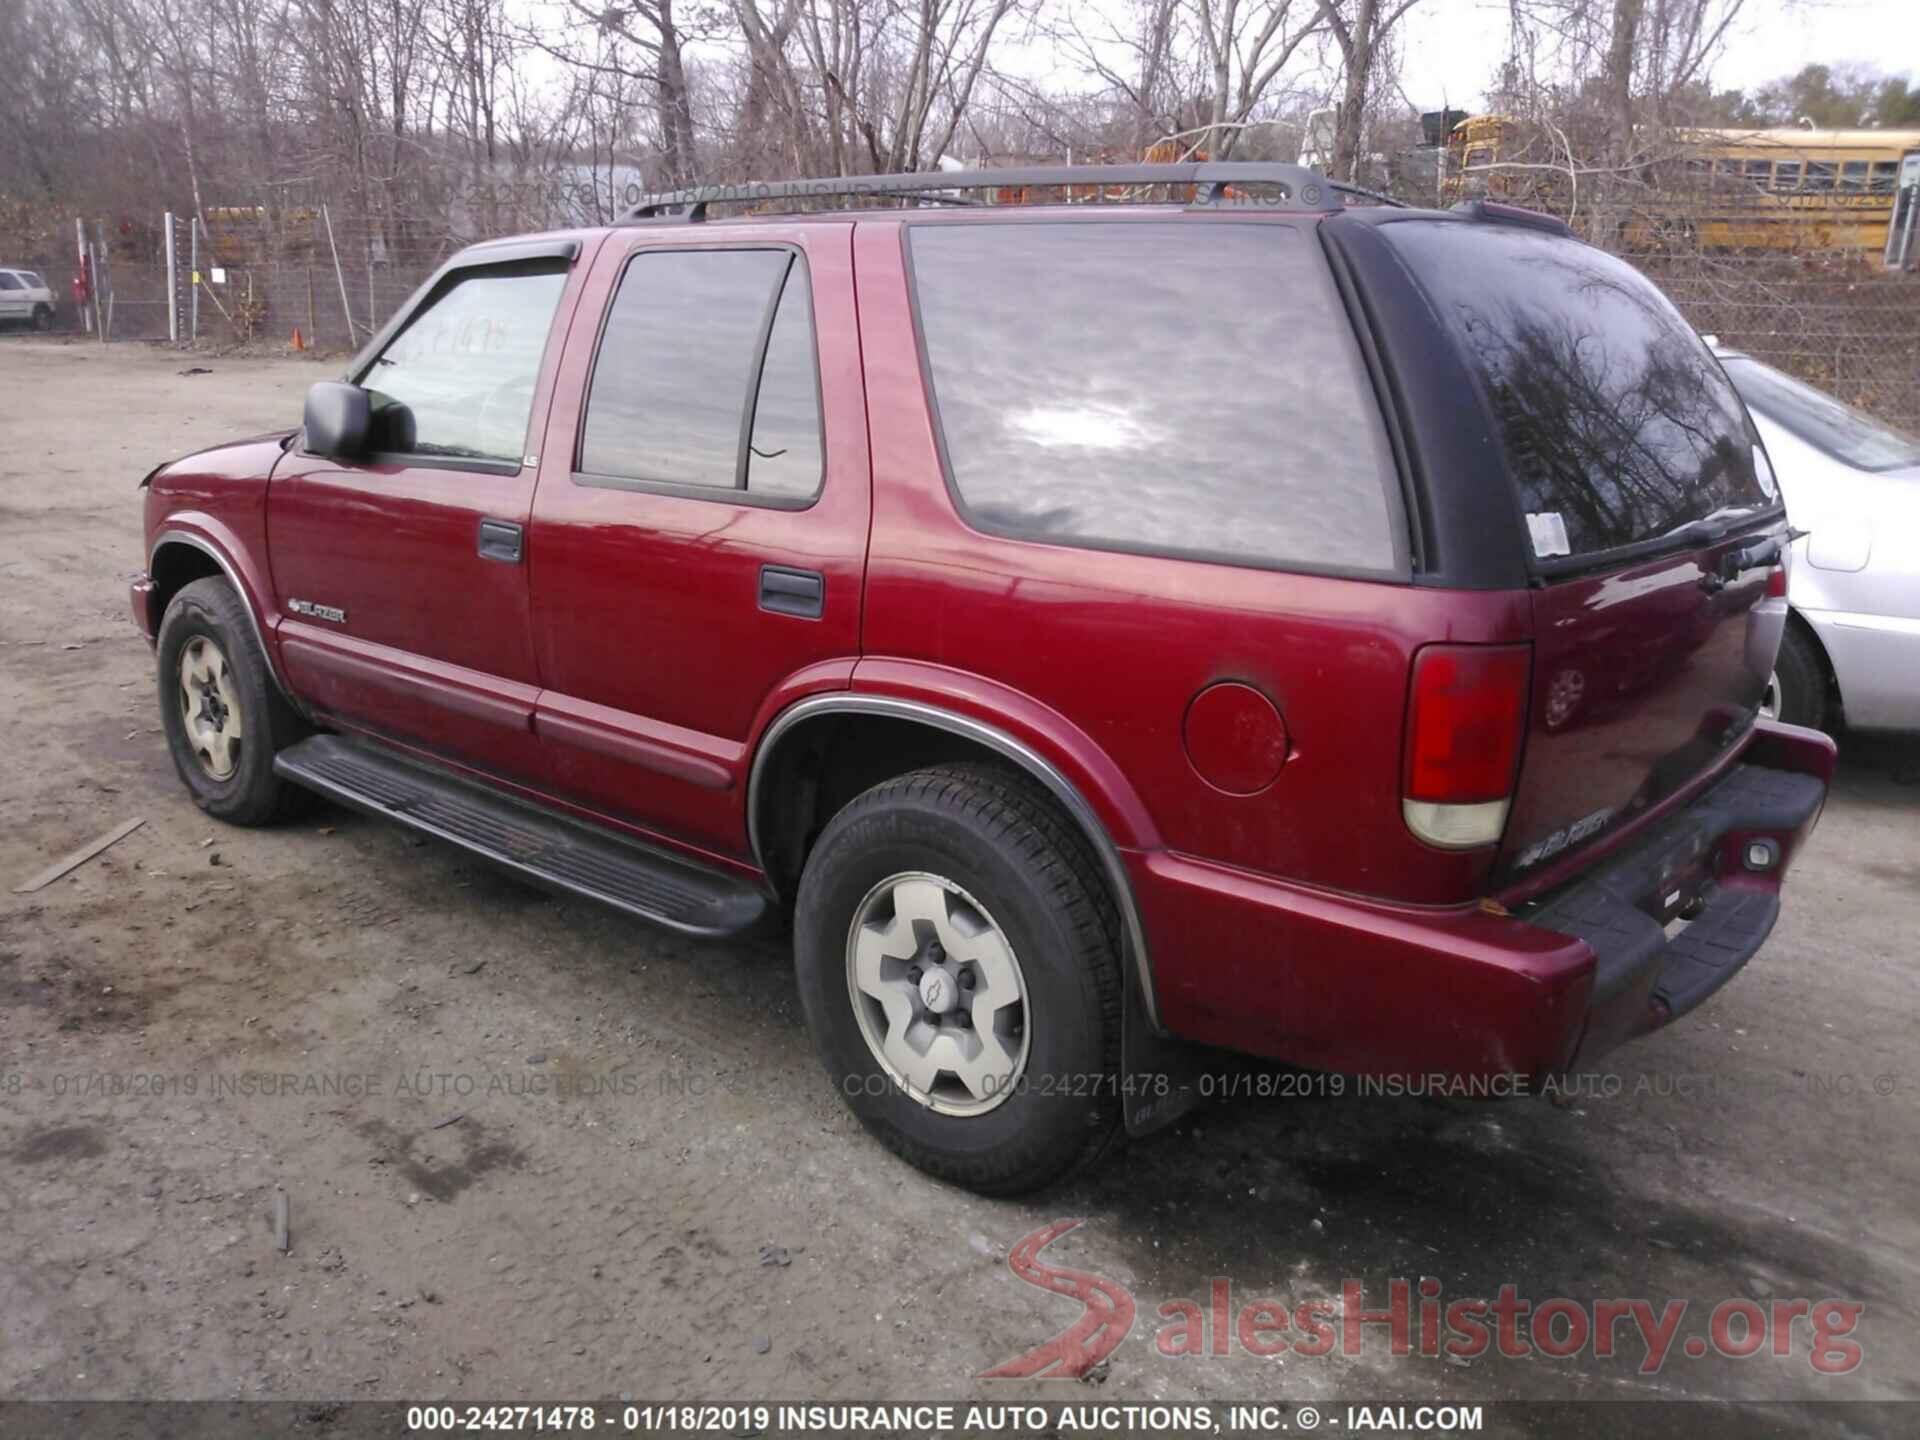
25,299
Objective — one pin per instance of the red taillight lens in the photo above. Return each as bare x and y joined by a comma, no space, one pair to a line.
1777,583
1465,722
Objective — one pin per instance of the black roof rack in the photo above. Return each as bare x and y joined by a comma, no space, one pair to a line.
1297,187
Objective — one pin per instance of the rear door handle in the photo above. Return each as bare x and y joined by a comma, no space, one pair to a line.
793,592
501,540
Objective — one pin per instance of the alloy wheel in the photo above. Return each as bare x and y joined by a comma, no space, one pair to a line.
210,707
939,994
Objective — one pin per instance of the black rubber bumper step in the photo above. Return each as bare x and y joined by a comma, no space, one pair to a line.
545,848
1614,909
1734,925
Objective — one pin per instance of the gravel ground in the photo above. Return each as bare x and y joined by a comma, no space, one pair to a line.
532,1151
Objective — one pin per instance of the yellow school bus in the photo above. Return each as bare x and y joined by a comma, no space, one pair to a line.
1793,189
1785,189
1490,156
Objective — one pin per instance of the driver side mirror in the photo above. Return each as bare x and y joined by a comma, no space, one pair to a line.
339,418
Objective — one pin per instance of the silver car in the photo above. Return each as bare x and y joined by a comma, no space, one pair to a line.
1853,637
25,299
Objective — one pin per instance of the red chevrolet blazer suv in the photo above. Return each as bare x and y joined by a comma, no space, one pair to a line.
1205,608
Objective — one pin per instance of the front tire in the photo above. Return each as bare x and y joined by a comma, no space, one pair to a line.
43,318
959,967
222,715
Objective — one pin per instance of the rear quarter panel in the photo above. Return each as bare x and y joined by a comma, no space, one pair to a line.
1118,645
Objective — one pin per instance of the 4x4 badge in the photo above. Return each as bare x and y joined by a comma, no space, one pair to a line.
318,612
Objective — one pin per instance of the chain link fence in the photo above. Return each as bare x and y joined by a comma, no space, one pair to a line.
256,273
1839,321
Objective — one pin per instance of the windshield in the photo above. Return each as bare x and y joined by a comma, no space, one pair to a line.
1831,426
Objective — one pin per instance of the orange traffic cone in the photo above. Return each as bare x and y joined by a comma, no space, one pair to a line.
297,343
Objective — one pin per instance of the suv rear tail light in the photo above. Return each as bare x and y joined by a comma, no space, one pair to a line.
1465,720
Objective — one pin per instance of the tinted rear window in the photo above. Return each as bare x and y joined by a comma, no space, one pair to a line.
1619,426
1183,388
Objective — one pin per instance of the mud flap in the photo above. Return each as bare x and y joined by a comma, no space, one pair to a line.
1158,1074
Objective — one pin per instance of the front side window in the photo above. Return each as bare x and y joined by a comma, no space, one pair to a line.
32,281
458,382
707,377
1180,388
1619,426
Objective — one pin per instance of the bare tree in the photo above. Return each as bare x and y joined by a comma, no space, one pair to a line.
1247,47
1611,86
1362,30
656,58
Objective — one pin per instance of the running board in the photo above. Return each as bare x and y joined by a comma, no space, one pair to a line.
538,845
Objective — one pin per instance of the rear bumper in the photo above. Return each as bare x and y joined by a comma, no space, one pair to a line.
1346,984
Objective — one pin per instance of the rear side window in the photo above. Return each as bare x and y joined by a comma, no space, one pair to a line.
8,281
1182,388
1619,426
706,377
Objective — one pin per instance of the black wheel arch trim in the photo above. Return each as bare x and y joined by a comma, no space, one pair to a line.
1136,961
232,575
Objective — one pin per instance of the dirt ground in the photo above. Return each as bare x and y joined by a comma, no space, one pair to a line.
532,1151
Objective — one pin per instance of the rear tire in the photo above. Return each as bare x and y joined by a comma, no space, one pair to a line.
1001,870
223,717
1800,681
